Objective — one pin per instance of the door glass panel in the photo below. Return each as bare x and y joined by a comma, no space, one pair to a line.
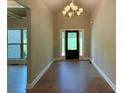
72,41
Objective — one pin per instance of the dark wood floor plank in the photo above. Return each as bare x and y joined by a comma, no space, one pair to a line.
71,77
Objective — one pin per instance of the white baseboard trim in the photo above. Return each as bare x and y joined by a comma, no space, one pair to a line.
113,86
30,86
57,59
81,58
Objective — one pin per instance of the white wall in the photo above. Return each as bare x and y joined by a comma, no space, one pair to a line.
104,38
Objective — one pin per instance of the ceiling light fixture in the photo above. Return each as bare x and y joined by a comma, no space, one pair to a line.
72,10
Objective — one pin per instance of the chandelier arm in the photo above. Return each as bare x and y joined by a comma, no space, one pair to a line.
72,10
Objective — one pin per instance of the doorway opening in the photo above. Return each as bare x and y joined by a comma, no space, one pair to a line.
72,41
18,46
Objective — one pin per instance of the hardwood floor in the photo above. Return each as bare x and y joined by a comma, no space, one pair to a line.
71,77
16,78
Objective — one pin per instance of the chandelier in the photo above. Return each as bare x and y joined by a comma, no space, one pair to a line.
72,10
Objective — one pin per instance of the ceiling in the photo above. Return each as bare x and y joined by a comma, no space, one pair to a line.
54,5
13,4
18,11
15,10
57,5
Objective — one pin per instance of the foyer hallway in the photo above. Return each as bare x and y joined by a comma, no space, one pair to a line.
71,77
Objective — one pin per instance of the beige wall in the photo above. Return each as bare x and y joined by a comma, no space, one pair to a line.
62,22
104,39
41,37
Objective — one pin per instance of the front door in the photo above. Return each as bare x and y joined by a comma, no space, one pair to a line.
72,44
